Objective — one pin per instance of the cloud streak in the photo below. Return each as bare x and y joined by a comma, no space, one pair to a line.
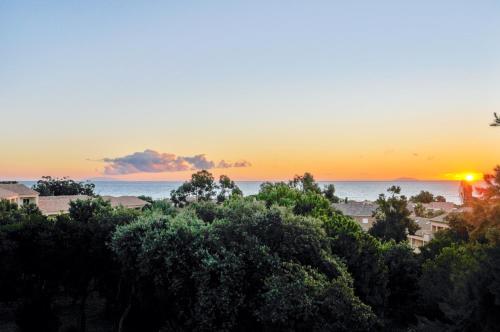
150,161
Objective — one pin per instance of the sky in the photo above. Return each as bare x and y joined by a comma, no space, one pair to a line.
257,90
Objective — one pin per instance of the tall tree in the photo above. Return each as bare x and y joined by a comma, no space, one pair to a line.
393,217
329,193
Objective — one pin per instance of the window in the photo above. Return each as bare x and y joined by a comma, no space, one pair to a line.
365,221
26,201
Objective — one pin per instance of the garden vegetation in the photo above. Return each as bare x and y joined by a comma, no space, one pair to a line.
212,260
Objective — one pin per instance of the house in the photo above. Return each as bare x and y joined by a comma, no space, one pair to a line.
18,193
428,228
362,212
130,202
53,205
445,207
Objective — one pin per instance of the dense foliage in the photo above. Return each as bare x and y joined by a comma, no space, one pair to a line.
426,197
202,187
283,260
49,186
393,220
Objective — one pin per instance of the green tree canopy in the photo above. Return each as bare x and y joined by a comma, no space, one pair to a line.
202,187
423,197
393,217
251,268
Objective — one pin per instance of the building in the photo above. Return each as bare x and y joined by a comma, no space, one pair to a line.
445,207
130,202
362,212
18,193
428,228
55,205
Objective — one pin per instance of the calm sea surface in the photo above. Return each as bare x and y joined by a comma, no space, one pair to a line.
355,190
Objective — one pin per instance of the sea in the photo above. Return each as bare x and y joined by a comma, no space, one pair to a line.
353,190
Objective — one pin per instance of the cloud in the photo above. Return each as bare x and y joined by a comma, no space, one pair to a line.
242,163
150,161
199,161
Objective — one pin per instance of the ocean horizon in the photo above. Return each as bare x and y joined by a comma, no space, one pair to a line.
353,190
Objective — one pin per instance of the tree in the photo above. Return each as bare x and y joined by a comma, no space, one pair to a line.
423,197
440,198
227,189
148,199
363,256
404,270
279,193
49,186
491,191
181,195
251,268
393,217
420,210
305,203
202,187
305,183
298,298
329,193
460,288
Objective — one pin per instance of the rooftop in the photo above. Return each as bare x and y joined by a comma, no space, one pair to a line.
445,206
356,209
50,205
19,189
6,194
126,201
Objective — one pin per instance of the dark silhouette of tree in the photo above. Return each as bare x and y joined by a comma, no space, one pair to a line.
329,193
49,186
496,121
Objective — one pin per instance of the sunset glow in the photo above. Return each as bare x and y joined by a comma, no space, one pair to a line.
465,176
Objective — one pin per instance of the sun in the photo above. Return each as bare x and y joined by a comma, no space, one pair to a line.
469,177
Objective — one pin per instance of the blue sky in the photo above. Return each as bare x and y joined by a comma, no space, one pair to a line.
287,85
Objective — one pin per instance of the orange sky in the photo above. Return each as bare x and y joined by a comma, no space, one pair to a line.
347,156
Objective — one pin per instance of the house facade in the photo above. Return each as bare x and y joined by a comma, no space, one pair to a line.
18,193
428,228
55,205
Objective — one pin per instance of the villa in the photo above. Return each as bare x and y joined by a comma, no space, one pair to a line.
18,193
54,205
